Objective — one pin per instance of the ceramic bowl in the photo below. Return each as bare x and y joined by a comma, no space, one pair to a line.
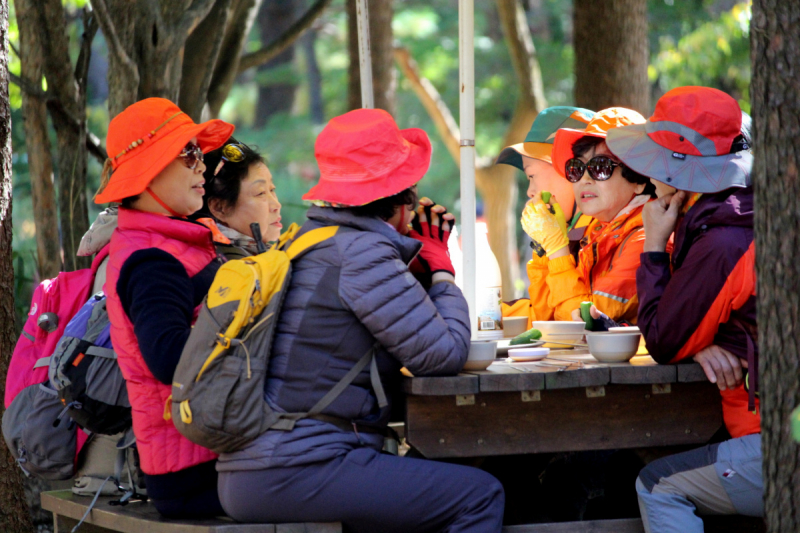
613,347
481,355
514,325
528,354
563,331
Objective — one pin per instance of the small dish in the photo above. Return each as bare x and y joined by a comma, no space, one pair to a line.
625,329
503,346
528,354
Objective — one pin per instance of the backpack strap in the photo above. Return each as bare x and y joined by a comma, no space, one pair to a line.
287,421
309,239
42,361
99,351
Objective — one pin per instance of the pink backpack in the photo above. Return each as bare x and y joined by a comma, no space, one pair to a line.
58,299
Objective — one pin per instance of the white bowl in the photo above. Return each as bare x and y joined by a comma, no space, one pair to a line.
514,325
528,354
613,347
481,355
563,331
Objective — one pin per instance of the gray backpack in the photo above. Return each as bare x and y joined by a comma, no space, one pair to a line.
217,396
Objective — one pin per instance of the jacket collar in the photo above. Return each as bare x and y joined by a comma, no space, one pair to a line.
174,228
330,216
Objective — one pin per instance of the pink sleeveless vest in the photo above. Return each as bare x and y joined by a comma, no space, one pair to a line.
161,447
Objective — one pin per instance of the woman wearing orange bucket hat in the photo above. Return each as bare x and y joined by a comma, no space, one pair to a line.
347,294
160,268
699,301
605,271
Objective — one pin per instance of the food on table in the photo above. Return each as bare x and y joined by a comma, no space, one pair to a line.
528,337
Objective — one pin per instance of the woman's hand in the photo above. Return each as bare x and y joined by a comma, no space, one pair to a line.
431,226
721,366
545,224
660,217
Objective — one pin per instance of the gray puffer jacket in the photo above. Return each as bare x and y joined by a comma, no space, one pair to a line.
346,294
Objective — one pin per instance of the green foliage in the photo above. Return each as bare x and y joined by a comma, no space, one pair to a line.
716,54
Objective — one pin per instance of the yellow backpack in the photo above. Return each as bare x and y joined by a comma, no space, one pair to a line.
217,396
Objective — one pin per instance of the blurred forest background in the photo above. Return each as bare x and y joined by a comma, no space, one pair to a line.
281,106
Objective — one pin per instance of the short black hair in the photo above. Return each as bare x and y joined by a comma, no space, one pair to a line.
128,202
226,185
385,207
584,144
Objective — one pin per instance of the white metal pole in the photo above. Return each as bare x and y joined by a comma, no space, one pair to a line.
466,69
364,55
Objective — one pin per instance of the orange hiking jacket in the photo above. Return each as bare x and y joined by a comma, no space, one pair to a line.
536,307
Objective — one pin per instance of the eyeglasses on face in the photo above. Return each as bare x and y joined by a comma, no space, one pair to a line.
191,155
600,168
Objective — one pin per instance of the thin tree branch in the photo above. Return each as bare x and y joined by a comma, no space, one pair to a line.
523,53
95,148
114,45
82,65
27,86
283,42
13,48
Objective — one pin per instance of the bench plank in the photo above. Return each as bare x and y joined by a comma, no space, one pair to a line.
138,517
624,525
442,386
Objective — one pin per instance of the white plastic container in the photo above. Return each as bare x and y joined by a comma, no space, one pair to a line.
488,288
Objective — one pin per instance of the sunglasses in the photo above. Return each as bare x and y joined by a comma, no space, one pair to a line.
600,168
233,153
191,155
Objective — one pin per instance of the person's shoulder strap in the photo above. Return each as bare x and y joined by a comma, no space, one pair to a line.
310,239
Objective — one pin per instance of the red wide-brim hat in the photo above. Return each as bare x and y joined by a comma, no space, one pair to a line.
145,138
363,156
687,143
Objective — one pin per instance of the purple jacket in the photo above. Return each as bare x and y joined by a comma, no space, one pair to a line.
709,291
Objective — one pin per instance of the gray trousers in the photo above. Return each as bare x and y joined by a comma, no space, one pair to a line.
723,479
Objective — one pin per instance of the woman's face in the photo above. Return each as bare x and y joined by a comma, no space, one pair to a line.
662,189
604,199
542,177
178,186
257,202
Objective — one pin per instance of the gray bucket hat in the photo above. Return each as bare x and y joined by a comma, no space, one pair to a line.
695,141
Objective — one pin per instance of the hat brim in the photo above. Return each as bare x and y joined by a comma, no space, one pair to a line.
512,155
562,147
360,192
691,173
134,175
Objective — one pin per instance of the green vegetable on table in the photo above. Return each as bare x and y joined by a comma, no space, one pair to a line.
586,315
528,337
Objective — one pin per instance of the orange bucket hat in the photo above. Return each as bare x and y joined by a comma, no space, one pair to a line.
363,156
602,121
145,138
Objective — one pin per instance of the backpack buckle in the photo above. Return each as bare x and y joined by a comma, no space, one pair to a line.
223,341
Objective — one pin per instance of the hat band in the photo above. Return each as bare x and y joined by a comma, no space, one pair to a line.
703,144
140,141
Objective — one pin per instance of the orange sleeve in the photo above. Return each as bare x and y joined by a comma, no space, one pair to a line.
739,287
535,307
566,286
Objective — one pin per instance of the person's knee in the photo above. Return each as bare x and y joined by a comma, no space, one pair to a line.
650,475
491,489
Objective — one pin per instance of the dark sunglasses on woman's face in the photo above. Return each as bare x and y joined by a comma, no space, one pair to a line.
600,168
191,155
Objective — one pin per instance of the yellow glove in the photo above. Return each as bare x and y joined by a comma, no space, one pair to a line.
547,228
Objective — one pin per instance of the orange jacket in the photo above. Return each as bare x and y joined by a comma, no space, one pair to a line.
536,306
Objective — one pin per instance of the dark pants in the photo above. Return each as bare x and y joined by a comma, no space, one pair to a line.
368,491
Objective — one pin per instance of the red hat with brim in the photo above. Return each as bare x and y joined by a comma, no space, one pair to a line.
363,156
145,138
599,126
689,143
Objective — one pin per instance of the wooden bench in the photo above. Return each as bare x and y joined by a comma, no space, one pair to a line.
138,517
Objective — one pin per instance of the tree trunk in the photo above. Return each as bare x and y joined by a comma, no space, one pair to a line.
40,160
70,126
202,49
775,94
316,104
14,517
275,17
611,54
384,79
227,67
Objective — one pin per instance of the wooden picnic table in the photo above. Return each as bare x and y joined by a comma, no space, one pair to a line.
568,402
